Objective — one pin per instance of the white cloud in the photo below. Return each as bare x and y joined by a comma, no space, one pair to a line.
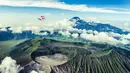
47,14
17,29
114,34
45,33
62,24
0,25
9,65
95,32
93,19
75,35
124,41
33,28
89,31
100,37
3,29
126,36
34,71
65,33
59,5
126,26
27,26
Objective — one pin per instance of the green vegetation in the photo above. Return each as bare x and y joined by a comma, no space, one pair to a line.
25,48
10,43
65,39
5,46
21,52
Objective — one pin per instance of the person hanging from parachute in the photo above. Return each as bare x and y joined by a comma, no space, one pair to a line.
42,18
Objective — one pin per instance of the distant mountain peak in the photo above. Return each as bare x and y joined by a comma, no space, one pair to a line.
100,27
75,19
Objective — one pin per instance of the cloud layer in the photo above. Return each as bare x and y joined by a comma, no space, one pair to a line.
65,28
58,5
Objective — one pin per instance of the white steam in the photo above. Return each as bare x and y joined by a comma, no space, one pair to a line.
34,71
9,65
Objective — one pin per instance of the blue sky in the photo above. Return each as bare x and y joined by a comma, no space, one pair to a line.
97,2
17,13
122,4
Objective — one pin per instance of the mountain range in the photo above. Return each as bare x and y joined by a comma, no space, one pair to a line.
100,27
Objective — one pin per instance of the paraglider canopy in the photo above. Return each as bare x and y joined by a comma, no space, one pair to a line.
42,18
